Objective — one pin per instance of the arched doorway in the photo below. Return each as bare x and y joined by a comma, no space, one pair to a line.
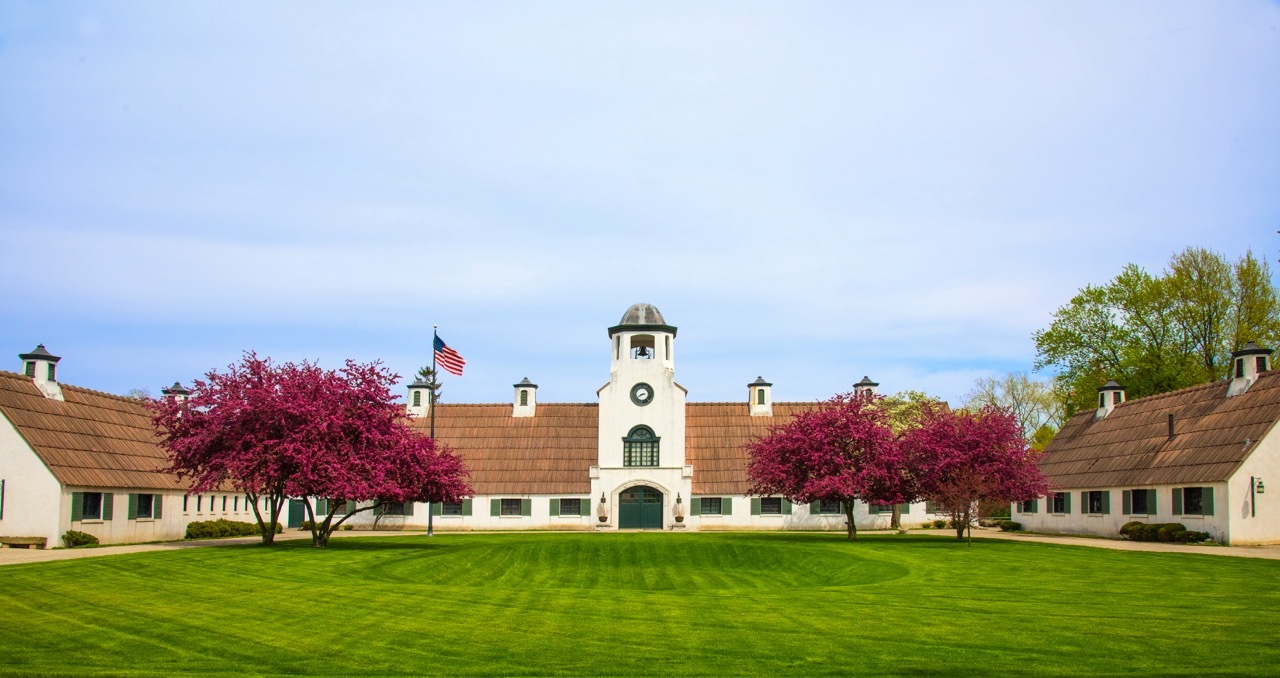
640,508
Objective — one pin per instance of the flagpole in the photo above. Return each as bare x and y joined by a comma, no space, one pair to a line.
431,400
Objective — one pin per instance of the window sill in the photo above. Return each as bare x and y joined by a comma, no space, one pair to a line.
145,520
510,517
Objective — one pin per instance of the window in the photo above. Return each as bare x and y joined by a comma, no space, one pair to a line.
1097,502
829,507
570,507
1193,501
52,371
1116,398
1261,363
393,508
199,502
1239,367
642,347
144,506
770,506
759,396
1028,506
1061,502
1139,502
417,398
640,447
933,507
29,369
451,508
710,506
224,503
524,397
185,503
511,507
92,506
235,504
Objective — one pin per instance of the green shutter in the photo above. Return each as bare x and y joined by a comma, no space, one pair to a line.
873,509
1151,502
350,507
555,507
77,506
786,506
1035,505
155,506
584,507
755,506
1126,502
904,509
408,508
695,506
466,507
1106,502
437,508
1066,502
495,507
108,505
1084,502
322,508
815,508
1206,501
526,507
726,506
1177,501
133,506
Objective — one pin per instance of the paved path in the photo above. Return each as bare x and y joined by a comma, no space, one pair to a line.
1268,552
17,556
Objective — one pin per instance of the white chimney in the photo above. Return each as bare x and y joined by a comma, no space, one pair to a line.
1110,394
760,398
419,403
526,400
1246,365
42,367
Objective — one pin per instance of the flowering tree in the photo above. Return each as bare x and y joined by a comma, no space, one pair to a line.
962,458
302,431
842,450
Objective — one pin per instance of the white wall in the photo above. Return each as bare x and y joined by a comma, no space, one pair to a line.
120,529
1246,528
31,493
1078,521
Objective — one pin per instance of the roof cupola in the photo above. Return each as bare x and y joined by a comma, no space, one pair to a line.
866,387
526,400
419,404
1246,364
175,393
1110,394
42,367
643,335
760,398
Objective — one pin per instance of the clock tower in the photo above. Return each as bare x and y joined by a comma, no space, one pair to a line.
641,470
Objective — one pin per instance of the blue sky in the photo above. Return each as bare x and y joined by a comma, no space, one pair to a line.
810,191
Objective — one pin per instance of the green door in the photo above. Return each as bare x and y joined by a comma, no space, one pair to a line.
640,508
297,512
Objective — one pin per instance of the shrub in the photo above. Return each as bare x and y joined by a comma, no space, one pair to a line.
1010,526
73,539
1190,536
307,525
209,529
1150,532
1129,529
1167,531
939,523
347,526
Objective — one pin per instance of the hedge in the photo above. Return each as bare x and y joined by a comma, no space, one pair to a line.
208,529
73,539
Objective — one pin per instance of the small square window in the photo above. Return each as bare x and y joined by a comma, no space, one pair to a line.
1095,501
829,507
92,506
1028,506
711,506
511,507
570,507
451,508
1139,499
393,508
1059,502
145,502
29,369
771,506
1192,501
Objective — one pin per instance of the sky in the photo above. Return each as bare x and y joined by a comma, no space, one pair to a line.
810,191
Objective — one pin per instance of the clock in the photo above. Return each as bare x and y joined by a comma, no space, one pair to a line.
642,394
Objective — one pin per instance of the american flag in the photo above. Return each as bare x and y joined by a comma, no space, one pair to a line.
449,359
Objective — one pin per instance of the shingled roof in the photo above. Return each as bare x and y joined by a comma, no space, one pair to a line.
714,436
90,439
1132,447
551,453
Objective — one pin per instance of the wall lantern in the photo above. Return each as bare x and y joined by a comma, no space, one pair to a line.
1261,489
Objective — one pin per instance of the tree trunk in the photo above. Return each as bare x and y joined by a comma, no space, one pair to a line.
848,516
960,521
895,521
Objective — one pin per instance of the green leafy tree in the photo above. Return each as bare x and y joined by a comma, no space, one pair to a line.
1159,333
1034,403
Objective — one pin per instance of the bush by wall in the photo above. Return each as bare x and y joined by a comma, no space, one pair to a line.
1010,526
73,539
209,529
1165,532
940,523
1190,536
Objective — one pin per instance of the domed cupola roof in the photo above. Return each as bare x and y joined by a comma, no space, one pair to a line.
642,317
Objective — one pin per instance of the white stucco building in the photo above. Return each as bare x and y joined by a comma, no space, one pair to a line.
1200,456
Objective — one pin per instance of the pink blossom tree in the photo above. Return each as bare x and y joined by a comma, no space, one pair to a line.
842,450
964,457
296,430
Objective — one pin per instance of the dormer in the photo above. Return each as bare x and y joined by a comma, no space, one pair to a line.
760,398
1246,364
866,387
175,393
1110,394
419,403
526,400
42,367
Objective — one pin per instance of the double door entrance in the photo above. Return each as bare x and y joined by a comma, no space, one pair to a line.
640,508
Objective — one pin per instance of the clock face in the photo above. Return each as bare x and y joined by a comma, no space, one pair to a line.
642,394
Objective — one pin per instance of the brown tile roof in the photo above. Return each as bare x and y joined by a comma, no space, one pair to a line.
549,453
1131,447
714,436
92,439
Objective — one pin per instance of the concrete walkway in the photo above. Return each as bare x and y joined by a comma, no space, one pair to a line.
1268,552
18,556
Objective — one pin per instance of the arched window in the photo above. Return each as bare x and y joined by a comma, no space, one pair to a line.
640,447
642,347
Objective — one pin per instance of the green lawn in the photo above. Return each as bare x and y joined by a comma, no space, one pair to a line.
586,604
